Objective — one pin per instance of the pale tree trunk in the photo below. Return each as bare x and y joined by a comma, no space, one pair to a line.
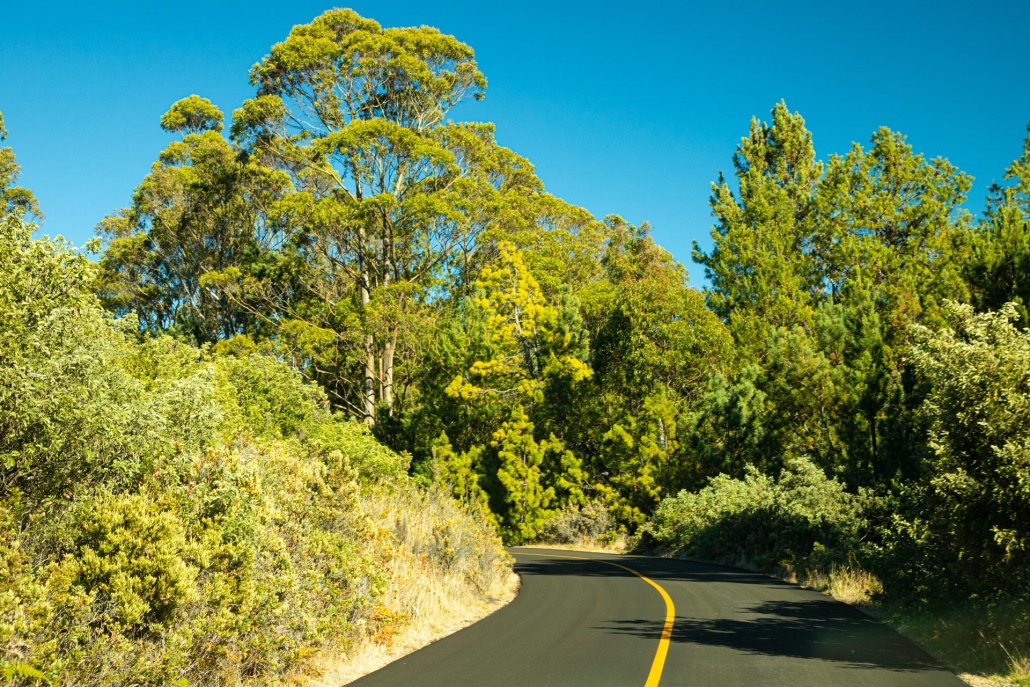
390,345
369,341
389,350
370,380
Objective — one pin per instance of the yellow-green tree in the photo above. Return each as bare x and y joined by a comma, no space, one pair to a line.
527,353
389,197
525,342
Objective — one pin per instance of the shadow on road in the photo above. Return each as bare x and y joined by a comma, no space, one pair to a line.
816,629
658,569
812,628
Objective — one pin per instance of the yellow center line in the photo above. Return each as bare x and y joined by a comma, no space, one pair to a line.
658,664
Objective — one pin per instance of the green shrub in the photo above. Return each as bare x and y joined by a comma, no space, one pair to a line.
803,520
132,554
964,529
171,513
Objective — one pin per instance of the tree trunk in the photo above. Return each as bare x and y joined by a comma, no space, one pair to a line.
369,341
389,350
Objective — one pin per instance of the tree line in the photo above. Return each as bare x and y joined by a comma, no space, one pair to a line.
535,359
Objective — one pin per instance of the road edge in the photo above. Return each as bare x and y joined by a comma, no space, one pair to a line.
367,656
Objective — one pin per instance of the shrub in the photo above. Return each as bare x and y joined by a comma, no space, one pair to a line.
803,520
170,513
587,525
131,554
964,529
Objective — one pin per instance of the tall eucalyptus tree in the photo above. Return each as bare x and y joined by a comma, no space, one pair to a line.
388,198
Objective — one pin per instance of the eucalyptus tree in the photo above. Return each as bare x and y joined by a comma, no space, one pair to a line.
389,197
198,214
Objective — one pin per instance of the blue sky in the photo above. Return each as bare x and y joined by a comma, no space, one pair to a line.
627,108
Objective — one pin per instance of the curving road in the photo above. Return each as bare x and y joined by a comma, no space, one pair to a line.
634,621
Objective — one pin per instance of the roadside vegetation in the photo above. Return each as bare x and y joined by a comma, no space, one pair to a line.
337,349
183,515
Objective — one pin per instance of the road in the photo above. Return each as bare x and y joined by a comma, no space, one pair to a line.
587,619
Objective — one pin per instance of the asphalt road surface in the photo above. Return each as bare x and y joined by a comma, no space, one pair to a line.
602,620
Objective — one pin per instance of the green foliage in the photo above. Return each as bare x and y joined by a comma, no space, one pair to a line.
532,475
178,503
762,267
590,524
132,556
998,270
15,201
70,415
528,346
530,355
193,115
893,227
195,229
967,529
387,199
173,515
653,347
802,520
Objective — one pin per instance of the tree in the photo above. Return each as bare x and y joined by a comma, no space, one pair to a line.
998,270
968,532
819,272
762,266
533,476
654,345
14,200
893,227
197,217
388,197
527,347
528,355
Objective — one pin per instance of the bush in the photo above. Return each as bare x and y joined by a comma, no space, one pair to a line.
133,555
964,529
801,521
171,514
591,524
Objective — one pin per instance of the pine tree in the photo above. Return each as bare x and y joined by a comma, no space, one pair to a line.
761,267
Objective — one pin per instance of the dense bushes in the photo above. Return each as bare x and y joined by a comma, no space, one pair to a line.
959,531
966,530
800,520
588,525
174,515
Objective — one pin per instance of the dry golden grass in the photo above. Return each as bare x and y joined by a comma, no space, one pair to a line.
619,545
371,654
445,572
850,585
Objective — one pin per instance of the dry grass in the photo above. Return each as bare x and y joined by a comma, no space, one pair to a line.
445,572
617,545
851,585
1020,675
371,653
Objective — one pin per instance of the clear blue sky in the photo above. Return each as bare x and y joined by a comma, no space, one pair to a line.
628,108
